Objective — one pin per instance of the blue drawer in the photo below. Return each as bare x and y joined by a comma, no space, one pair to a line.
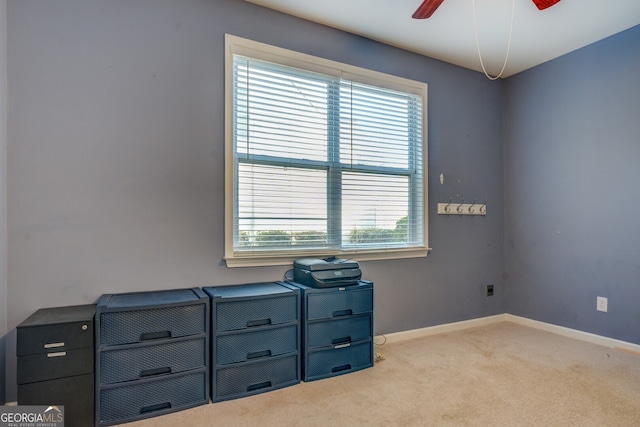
246,379
147,316
238,315
329,333
254,344
341,359
127,363
147,398
340,302
128,327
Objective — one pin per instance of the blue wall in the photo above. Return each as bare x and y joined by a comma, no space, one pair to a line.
572,198
116,158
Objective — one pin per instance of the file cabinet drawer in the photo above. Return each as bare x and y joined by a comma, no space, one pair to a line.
55,330
152,360
76,394
48,366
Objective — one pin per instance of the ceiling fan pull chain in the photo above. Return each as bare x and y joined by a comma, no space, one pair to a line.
475,30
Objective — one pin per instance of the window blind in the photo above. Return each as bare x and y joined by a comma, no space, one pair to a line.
324,163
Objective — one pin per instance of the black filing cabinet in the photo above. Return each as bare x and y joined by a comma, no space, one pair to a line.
255,344
56,361
151,354
337,329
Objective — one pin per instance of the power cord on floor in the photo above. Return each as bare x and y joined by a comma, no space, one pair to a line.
378,356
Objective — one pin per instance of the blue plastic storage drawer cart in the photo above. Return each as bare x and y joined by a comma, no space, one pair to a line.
255,343
152,354
337,335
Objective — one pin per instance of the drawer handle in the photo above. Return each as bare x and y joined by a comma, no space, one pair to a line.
259,322
54,345
257,354
343,340
153,408
148,336
258,386
155,371
341,368
58,354
339,313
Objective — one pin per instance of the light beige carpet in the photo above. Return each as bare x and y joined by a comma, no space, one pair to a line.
502,374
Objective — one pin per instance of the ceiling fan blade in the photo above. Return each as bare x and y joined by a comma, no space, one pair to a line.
543,4
427,8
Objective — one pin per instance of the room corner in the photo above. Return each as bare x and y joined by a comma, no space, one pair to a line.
3,198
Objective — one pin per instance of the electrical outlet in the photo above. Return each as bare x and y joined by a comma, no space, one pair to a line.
602,304
489,290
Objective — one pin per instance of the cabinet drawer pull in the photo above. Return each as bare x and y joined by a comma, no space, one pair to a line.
258,386
58,354
54,345
257,354
155,371
347,312
148,336
341,368
259,322
153,408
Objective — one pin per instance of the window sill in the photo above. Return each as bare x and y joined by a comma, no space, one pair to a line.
255,259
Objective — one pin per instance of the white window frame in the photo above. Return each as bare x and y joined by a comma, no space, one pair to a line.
253,49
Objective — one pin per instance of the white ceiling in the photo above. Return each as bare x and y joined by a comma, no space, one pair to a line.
538,36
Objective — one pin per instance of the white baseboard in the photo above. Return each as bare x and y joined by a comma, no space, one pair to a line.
481,321
574,333
441,329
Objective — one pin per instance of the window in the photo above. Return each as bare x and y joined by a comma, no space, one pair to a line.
322,159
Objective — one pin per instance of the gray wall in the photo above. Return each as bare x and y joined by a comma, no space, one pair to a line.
572,152
116,146
3,194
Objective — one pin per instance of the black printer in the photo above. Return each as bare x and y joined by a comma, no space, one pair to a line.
326,273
